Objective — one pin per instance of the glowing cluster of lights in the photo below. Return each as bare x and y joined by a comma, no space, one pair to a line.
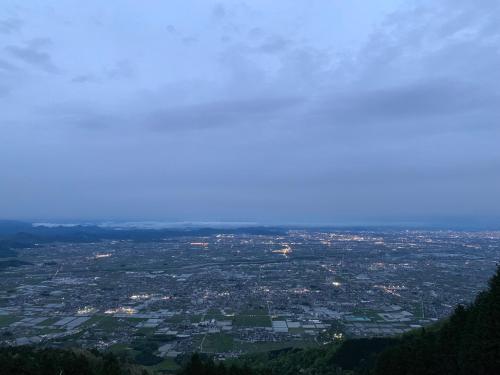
377,266
86,310
285,250
140,296
301,290
103,255
391,289
121,310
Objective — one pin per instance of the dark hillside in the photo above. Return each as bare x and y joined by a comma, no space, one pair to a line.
468,343
31,361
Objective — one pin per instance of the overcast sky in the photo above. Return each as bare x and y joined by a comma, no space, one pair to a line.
317,111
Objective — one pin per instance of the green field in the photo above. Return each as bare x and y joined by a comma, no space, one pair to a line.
258,347
254,312
48,330
299,331
119,348
6,320
218,343
50,321
195,318
252,321
177,318
166,366
110,323
216,314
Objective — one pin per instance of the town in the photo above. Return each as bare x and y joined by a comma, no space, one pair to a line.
231,294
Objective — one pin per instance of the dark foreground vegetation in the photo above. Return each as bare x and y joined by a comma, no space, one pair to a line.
468,343
31,361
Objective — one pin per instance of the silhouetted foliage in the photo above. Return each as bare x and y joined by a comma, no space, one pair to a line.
468,343
26,360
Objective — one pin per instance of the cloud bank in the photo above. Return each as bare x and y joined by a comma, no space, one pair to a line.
256,111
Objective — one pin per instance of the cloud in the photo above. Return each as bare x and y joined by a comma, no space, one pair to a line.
419,70
414,101
121,69
4,90
219,11
189,40
85,78
201,116
276,107
86,115
10,25
274,44
33,54
255,33
7,66
255,111
171,29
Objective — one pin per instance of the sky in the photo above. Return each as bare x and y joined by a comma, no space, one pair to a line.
317,111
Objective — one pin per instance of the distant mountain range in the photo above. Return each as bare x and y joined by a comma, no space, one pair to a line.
16,235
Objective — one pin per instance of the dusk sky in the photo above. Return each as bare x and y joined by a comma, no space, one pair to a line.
317,111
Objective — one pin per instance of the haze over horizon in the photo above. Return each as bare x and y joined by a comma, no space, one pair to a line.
292,112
